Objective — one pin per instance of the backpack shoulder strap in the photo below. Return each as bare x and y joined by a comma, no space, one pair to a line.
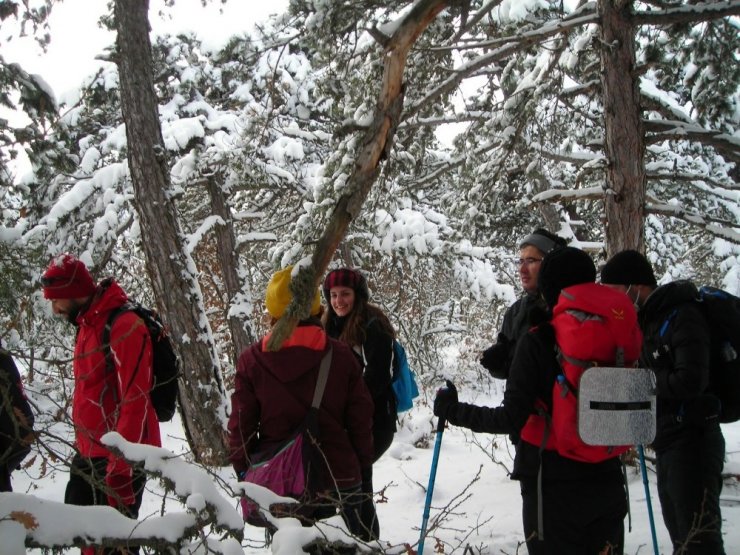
108,352
667,322
109,366
322,378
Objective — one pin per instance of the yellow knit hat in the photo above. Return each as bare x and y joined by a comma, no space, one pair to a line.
279,295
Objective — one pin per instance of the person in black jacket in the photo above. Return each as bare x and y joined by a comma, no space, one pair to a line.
689,444
532,249
16,420
583,504
353,320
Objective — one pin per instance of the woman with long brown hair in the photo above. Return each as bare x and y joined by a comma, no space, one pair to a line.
353,320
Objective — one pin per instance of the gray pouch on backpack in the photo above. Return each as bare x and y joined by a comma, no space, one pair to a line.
616,406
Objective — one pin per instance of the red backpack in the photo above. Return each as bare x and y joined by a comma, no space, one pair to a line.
594,326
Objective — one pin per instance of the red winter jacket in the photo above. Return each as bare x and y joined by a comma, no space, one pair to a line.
273,391
119,401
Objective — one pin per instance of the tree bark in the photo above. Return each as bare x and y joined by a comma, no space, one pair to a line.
375,146
241,332
171,270
624,139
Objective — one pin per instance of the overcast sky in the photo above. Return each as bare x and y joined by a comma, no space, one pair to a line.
76,37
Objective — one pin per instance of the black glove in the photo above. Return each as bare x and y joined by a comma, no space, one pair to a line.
445,400
495,360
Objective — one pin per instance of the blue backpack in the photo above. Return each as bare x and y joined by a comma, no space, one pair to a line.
404,381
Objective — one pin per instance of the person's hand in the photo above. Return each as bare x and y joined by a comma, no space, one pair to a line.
121,491
445,400
494,360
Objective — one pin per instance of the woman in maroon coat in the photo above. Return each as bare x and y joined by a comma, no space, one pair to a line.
273,391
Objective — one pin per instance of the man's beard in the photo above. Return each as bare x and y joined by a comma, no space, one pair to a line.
71,316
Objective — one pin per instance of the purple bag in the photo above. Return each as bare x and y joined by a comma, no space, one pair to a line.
285,474
292,469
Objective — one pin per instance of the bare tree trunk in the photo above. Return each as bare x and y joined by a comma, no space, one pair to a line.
624,138
170,268
550,216
241,332
374,147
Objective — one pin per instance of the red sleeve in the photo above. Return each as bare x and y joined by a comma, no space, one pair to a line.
244,418
131,349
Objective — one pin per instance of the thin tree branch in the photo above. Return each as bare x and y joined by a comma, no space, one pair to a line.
521,41
691,13
672,130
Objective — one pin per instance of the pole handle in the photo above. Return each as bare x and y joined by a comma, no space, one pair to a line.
441,423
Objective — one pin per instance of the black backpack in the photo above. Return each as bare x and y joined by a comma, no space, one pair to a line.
722,312
165,364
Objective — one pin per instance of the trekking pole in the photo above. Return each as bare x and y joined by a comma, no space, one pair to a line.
643,470
430,487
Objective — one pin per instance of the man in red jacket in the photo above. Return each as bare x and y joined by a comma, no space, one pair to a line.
104,400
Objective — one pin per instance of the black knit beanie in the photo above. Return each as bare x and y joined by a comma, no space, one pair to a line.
543,240
628,268
562,268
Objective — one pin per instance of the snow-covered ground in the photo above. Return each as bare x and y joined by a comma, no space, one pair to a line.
474,502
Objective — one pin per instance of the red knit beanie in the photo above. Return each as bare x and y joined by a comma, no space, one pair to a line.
346,277
67,278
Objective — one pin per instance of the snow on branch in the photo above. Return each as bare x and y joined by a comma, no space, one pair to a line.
291,536
690,13
197,236
554,195
655,99
669,130
513,44
86,189
26,520
211,523
714,186
190,483
374,146
196,488
719,228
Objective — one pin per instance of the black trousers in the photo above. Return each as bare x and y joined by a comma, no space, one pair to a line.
382,439
347,502
86,486
5,484
580,518
689,486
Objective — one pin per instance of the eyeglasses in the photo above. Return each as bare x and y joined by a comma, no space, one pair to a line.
528,261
